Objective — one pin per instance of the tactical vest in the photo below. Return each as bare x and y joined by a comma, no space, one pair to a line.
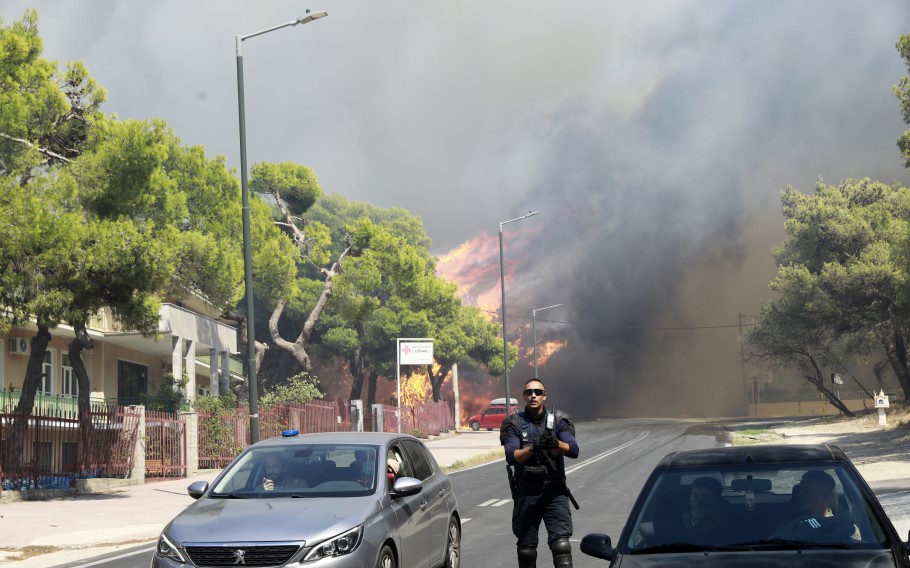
535,472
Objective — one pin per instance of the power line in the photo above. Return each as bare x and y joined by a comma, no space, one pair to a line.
610,326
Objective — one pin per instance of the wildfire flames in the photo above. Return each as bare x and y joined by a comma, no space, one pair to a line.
473,267
548,349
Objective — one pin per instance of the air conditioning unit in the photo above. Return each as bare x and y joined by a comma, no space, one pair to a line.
19,345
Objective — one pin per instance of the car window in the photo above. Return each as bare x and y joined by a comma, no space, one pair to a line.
490,411
742,503
405,467
417,453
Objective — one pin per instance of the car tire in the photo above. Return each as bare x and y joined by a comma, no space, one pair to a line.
453,545
489,429
386,558
475,425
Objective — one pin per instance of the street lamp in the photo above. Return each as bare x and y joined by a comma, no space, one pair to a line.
247,248
534,331
502,278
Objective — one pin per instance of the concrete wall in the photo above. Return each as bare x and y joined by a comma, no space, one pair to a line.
813,408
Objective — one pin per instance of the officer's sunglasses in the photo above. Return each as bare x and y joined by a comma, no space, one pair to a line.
538,392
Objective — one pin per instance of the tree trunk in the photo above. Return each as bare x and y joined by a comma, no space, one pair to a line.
817,378
371,387
896,350
298,348
356,369
13,456
436,380
79,343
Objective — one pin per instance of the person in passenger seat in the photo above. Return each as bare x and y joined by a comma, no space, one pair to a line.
706,507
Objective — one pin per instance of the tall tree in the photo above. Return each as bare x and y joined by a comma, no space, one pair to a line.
850,244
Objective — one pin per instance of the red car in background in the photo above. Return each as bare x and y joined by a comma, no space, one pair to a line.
493,416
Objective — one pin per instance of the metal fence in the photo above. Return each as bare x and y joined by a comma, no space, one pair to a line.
165,445
421,420
223,436
48,452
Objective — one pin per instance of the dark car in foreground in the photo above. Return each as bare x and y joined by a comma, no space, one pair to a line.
328,500
774,505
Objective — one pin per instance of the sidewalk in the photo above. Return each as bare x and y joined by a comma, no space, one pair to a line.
138,513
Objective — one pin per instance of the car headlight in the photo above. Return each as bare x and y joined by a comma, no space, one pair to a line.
340,545
166,549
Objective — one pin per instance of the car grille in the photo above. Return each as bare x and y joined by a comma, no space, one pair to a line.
241,555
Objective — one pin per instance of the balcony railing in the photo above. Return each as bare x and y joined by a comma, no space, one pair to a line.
54,405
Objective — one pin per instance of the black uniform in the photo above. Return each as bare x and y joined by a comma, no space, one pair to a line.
538,486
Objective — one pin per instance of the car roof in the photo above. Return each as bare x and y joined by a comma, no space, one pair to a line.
373,438
770,454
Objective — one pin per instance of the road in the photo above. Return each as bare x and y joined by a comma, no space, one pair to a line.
616,458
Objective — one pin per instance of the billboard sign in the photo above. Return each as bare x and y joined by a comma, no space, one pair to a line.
416,353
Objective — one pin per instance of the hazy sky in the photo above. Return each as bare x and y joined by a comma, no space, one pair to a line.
654,137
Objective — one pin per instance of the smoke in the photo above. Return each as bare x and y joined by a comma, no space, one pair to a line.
652,136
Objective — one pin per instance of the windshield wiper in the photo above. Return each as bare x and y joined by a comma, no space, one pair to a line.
227,496
677,547
780,542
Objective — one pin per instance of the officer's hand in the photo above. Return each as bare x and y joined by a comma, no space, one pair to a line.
547,442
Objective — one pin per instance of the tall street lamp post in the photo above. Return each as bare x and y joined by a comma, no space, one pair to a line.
502,283
534,332
247,248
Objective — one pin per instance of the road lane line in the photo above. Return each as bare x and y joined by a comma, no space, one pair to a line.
490,502
607,453
502,502
127,555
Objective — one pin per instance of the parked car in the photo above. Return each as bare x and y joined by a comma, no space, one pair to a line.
493,416
333,499
775,505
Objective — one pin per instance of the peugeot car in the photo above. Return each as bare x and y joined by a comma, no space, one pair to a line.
327,500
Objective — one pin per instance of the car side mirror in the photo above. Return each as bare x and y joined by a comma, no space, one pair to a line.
406,486
197,488
597,545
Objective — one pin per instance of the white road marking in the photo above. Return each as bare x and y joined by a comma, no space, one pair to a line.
127,555
599,457
490,502
502,502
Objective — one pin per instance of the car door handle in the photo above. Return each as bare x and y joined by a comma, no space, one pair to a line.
442,492
423,504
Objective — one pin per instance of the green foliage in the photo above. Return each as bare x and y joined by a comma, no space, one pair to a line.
902,92
45,118
170,395
842,280
296,184
299,389
217,430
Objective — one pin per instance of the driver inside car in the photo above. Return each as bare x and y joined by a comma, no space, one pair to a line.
815,519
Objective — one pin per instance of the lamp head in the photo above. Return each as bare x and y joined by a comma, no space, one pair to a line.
311,16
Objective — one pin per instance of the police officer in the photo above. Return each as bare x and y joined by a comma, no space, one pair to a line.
535,441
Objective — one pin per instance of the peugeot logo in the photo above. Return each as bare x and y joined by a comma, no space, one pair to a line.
239,556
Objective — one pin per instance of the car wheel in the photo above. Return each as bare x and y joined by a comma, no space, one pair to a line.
386,558
489,429
475,425
453,545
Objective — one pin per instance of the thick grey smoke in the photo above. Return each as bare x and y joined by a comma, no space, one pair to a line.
653,136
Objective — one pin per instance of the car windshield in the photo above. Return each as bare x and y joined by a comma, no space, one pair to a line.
301,470
754,507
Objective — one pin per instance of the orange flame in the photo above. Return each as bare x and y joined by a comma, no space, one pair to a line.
547,349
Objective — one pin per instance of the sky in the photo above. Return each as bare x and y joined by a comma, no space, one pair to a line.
654,138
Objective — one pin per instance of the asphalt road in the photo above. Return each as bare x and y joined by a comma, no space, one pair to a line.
616,458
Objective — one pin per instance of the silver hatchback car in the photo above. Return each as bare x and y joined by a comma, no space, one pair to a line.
331,500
